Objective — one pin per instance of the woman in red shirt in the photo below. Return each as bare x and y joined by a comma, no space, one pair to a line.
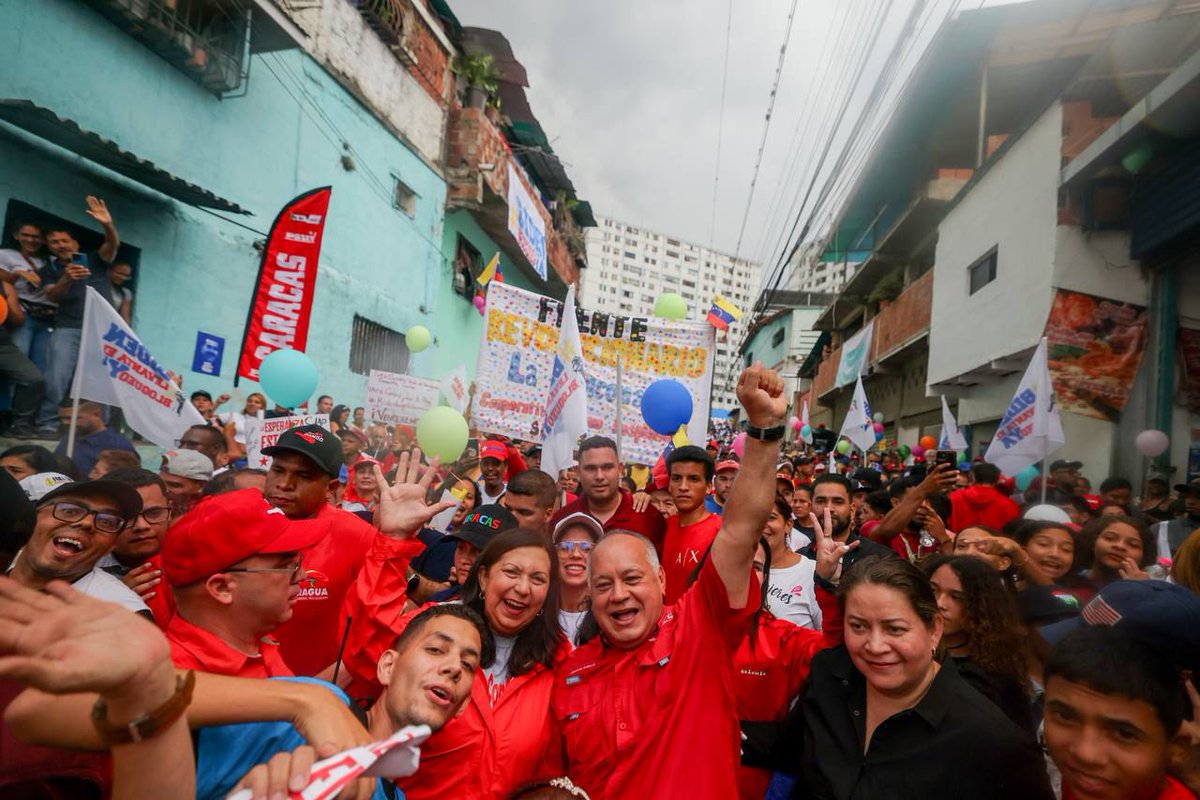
496,744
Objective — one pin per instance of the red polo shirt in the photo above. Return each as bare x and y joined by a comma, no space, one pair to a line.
193,647
648,523
310,640
659,720
683,549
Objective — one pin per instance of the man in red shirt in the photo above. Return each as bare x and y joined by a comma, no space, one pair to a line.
600,484
304,473
982,503
647,709
234,563
693,528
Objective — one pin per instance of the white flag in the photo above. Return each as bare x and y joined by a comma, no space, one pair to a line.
804,424
858,426
855,356
116,369
566,416
454,389
952,438
1031,429
832,463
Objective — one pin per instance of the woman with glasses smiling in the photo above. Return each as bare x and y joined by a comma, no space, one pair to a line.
574,537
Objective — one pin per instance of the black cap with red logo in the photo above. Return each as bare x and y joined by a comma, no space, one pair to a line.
313,441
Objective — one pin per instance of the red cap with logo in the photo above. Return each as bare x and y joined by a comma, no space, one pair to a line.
227,528
493,449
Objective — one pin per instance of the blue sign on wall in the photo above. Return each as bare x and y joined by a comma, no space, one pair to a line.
209,350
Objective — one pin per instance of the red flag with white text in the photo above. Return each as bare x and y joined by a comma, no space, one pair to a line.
283,293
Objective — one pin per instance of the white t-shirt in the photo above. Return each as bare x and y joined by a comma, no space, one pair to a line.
488,499
791,594
798,540
102,586
497,673
569,622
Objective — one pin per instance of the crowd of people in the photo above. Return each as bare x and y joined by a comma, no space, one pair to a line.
45,276
765,623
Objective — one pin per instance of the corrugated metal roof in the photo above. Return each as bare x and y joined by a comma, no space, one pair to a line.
67,133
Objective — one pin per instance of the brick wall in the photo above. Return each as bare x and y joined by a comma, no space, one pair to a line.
432,66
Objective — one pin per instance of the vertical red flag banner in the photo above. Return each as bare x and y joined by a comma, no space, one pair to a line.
283,293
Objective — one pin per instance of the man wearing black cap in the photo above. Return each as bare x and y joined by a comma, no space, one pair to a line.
1064,475
1170,534
304,471
76,525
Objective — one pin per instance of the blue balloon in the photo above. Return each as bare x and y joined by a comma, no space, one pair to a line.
666,404
806,432
1025,477
289,377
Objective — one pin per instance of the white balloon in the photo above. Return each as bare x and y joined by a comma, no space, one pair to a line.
1152,443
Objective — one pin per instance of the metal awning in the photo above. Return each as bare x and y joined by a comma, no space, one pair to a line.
67,134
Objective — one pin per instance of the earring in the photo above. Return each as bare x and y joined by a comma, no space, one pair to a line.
539,613
481,594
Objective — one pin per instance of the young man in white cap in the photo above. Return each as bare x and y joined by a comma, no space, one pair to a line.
184,472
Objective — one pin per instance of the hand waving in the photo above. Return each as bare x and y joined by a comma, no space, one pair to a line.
62,641
829,550
98,211
402,509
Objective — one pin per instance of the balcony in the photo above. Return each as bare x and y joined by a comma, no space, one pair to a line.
900,326
477,180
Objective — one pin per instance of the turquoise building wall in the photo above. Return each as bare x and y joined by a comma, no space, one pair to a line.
283,137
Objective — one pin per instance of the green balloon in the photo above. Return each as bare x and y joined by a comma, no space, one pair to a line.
670,306
418,338
442,432
843,447
905,451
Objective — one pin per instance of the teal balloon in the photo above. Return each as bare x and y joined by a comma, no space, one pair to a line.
289,377
442,432
670,306
843,447
1137,158
806,431
418,338
1025,477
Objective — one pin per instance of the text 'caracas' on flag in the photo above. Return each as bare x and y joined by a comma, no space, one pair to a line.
723,313
116,368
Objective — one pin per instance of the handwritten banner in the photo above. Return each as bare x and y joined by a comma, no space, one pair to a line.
516,357
399,399
262,433
1095,349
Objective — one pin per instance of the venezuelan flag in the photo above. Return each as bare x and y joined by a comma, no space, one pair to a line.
723,313
492,270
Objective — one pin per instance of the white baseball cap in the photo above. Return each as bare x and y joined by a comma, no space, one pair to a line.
38,486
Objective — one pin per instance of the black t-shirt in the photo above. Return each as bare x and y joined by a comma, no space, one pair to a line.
70,307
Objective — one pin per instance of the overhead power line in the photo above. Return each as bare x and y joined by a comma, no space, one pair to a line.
712,222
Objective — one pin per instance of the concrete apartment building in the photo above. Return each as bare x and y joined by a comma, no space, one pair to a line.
629,266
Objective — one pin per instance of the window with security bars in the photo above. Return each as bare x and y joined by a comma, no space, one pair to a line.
373,346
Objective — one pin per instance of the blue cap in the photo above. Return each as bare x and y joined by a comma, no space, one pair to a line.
435,561
1161,614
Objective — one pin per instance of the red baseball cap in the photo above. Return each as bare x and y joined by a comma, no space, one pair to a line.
728,463
227,528
494,449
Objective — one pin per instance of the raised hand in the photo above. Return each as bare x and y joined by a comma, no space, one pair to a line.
63,641
402,508
98,211
829,551
1130,570
760,391
144,580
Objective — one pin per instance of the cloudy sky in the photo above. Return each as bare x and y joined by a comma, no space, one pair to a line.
629,93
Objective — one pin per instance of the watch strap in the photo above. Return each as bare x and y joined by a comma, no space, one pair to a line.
773,434
149,724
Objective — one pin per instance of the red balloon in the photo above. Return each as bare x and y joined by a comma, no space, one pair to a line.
928,442
3,310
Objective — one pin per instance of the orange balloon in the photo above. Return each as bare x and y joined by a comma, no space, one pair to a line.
3,309
928,442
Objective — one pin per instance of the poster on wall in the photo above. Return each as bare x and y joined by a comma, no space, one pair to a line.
399,399
1095,349
1189,356
516,356
525,223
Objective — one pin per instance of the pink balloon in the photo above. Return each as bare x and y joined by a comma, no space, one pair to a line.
1152,443
918,451
795,423
480,304
879,427
739,445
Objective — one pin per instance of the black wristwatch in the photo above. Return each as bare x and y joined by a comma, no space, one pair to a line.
766,434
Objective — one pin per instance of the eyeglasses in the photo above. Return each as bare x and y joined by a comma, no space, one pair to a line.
156,514
297,573
568,548
104,521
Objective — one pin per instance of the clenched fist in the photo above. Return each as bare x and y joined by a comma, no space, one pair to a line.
760,391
